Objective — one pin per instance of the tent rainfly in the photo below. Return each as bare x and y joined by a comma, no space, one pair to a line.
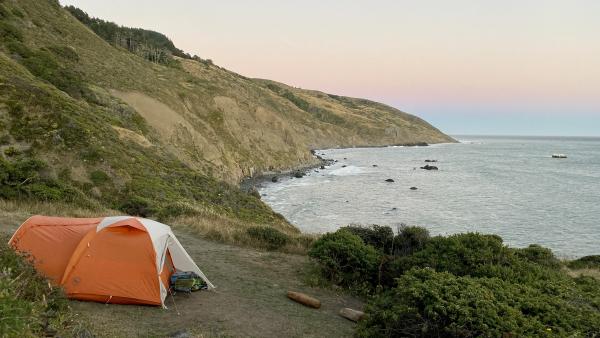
123,259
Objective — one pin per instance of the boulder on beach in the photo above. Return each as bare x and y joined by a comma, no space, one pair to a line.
389,180
298,174
429,167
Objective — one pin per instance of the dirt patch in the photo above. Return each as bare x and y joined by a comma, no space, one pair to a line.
130,135
160,116
174,130
595,273
250,299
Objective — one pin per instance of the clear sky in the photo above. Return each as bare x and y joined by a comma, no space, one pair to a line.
467,66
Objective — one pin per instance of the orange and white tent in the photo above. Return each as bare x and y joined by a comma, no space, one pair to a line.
123,259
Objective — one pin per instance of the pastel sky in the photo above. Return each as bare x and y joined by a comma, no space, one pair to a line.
467,66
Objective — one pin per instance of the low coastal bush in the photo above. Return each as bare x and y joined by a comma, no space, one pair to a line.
345,259
270,237
138,206
463,285
25,178
410,239
99,177
29,306
587,262
427,303
379,237
539,255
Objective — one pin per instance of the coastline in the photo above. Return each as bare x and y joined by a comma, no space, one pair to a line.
248,184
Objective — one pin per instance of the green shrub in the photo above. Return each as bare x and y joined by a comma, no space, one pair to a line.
173,210
9,31
24,178
345,259
379,237
587,262
27,304
17,12
539,255
11,151
137,206
438,304
271,237
42,63
461,254
410,239
297,101
18,48
65,52
99,177
4,139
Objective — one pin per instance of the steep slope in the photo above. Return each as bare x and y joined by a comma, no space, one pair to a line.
84,121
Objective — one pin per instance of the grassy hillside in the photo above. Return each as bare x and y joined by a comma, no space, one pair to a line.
87,122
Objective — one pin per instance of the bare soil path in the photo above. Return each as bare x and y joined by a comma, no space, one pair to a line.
250,299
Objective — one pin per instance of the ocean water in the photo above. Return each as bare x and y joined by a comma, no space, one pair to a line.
508,186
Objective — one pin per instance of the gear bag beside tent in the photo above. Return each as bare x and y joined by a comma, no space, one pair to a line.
124,259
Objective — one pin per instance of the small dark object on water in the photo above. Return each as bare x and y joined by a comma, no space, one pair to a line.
322,167
346,201
413,188
389,180
394,208
429,167
274,179
430,161
344,166
375,165
345,158
304,299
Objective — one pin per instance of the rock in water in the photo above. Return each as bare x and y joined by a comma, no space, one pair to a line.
389,180
298,174
304,299
344,166
322,167
351,314
413,188
429,167
430,161
274,179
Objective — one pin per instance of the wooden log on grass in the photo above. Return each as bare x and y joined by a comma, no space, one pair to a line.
304,299
353,315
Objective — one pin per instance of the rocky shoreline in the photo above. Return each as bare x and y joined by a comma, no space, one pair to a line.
251,184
